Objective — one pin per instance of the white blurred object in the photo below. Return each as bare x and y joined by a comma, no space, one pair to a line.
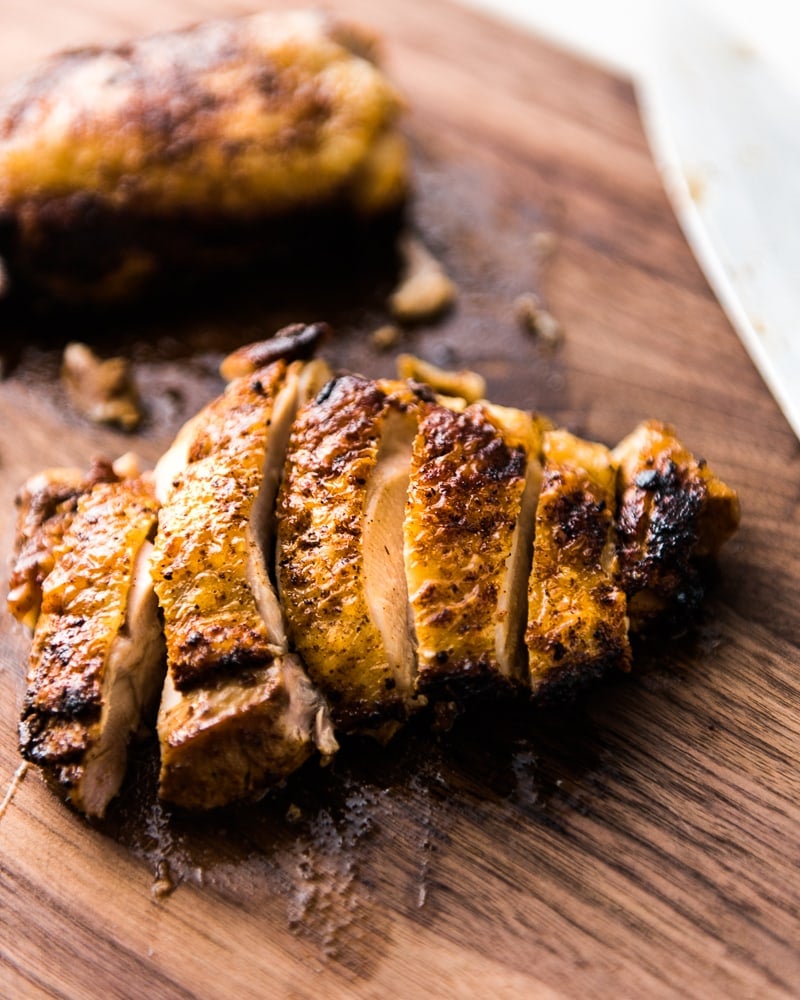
719,86
616,32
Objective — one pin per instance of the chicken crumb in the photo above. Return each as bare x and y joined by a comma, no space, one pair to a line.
163,884
545,244
102,390
465,384
294,814
386,337
425,291
535,319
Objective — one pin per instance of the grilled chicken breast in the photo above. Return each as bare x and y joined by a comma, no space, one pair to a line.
96,660
340,547
422,545
237,712
193,146
474,482
673,512
577,614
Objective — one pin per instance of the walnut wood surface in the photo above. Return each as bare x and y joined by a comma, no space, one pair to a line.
643,843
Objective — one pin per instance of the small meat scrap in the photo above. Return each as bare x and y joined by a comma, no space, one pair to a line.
463,384
425,291
104,390
386,337
536,320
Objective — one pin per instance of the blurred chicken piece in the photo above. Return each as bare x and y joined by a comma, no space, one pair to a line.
104,390
237,712
474,483
97,654
577,621
673,512
340,548
193,146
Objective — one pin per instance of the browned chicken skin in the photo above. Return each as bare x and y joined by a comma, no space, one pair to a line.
673,512
577,620
465,511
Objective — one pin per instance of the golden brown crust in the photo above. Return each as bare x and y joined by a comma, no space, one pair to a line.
84,606
577,621
46,505
200,568
463,503
673,511
321,507
230,122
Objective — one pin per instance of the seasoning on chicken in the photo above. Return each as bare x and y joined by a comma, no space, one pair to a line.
475,479
200,146
673,513
577,617
96,660
238,712
46,505
340,548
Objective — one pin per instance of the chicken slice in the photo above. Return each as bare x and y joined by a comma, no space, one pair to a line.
236,714
230,740
199,146
340,548
673,512
97,656
475,478
46,505
577,618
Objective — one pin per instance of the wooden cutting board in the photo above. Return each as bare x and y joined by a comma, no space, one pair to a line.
643,843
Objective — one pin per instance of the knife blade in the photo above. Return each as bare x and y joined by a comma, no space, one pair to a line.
724,128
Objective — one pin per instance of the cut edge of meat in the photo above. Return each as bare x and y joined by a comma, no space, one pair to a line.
234,740
132,681
385,586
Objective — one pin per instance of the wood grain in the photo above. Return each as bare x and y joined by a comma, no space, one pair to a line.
642,843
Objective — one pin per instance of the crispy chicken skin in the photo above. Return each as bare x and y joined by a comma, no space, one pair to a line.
112,161
340,543
464,519
577,620
97,651
673,512
211,613
237,712
46,505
